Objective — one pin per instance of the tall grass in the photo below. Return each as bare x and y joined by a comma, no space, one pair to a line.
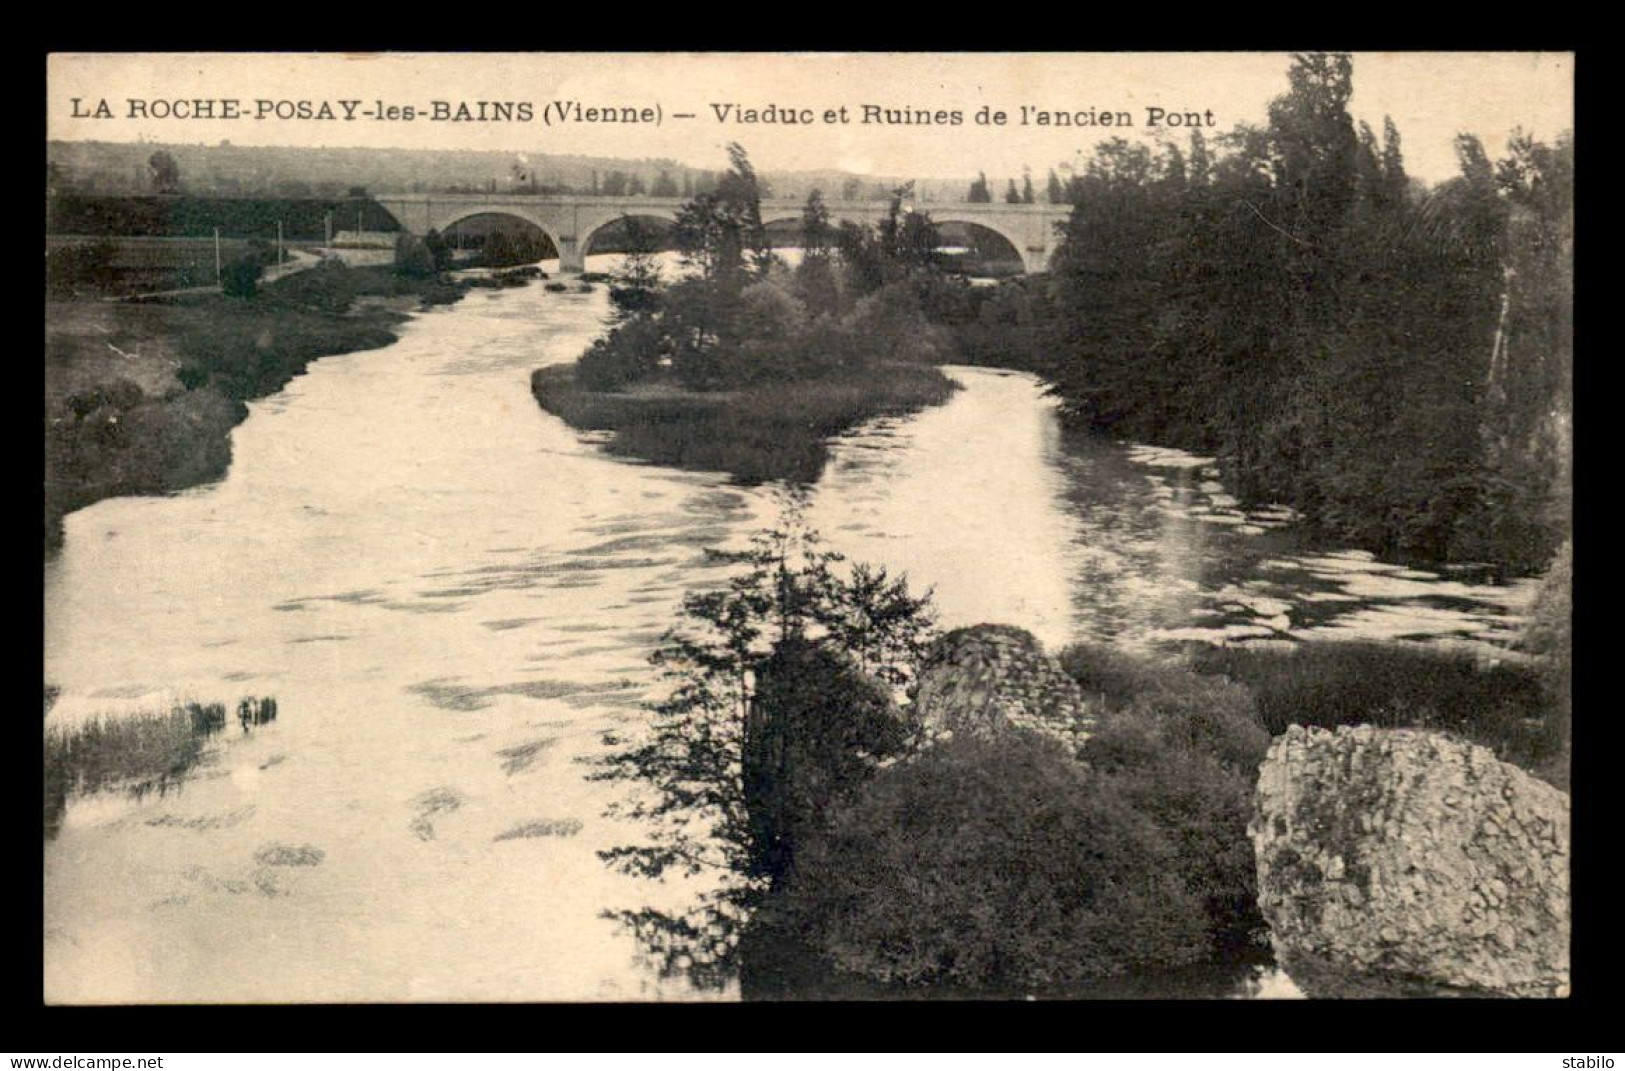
140,753
111,438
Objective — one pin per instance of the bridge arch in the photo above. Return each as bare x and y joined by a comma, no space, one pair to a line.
1004,246
529,219
453,226
609,227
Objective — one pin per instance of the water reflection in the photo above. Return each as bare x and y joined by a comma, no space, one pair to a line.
1074,537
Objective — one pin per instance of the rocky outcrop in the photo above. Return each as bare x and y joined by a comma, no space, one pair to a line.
1402,862
987,679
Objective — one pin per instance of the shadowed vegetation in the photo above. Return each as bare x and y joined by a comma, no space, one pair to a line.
756,434
141,396
1393,360
1506,706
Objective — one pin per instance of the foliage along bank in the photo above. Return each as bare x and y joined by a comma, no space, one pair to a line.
847,849
107,435
1394,360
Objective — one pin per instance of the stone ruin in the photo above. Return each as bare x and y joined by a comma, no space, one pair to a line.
1397,862
987,679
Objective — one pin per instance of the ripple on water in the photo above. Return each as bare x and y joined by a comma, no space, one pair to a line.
447,694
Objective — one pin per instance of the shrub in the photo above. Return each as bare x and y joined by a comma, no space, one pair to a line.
117,394
413,257
1183,748
145,752
742,699
628,353
1189,763
88,264
766,310
997,866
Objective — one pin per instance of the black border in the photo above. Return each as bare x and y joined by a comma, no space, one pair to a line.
1420,1025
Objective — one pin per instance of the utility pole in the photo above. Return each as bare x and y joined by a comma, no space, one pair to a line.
217,256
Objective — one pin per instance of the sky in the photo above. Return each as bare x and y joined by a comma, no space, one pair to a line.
1431,96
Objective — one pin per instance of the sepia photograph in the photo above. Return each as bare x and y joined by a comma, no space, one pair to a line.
808,526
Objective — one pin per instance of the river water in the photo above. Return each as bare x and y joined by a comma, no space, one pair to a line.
452,597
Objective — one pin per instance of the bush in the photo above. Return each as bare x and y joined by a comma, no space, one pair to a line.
413,257
998,866
890,323
1183,748
145,752
629,353
1195,711
329,287
1190,766
768,311
241,278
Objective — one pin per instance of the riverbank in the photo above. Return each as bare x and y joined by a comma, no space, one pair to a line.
767,431
141,397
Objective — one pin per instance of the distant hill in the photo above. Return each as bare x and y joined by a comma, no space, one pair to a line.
226,170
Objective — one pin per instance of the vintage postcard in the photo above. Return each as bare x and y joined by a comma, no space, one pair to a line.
724,526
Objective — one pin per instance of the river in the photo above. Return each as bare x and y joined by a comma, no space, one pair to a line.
452,597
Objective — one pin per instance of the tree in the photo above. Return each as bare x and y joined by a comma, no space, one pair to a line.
1026,186
1054,190
788,605
1201,164
815,275
719,231
1012,196
636,287
163,172
664,186
979,192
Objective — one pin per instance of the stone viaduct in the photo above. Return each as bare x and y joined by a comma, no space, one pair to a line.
570,220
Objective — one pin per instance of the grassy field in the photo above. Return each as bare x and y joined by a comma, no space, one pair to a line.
125,266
